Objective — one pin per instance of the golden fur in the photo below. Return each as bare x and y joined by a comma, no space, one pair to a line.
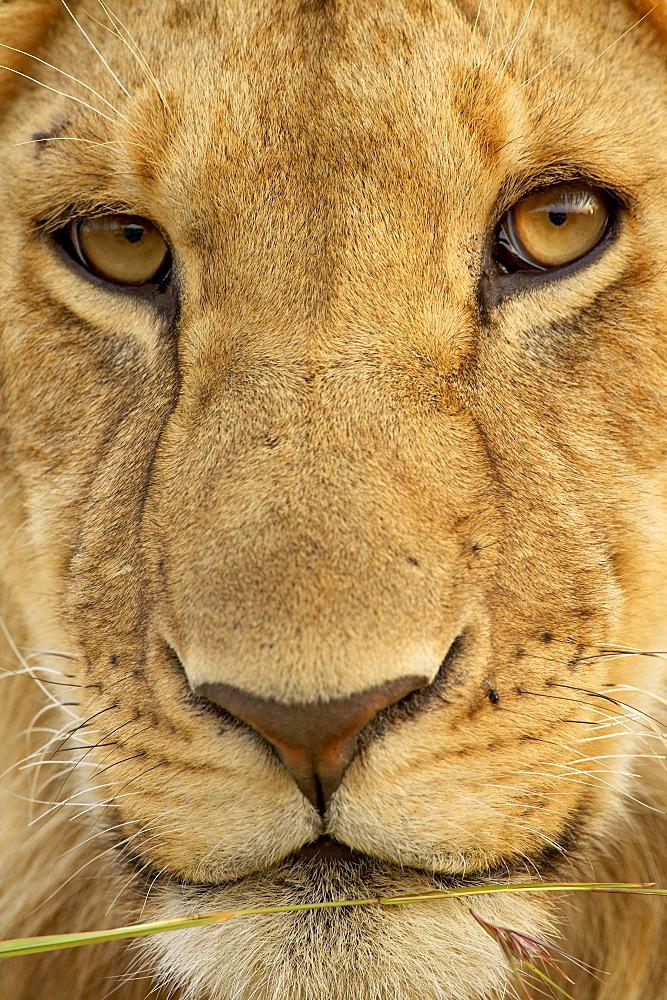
331,462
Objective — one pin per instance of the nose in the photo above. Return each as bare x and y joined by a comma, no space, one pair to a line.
315,741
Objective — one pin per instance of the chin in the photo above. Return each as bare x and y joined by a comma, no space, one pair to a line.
433,950
428,949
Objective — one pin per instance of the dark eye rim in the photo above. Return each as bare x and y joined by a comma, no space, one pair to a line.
157,287
498,282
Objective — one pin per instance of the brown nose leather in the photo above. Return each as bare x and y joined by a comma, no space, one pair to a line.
315,741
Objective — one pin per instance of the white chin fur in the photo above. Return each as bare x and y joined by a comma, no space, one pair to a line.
433,950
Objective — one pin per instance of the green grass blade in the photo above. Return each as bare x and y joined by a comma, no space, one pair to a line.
511,961
54,942
641,888
547,979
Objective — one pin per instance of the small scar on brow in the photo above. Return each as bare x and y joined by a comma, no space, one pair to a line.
42,138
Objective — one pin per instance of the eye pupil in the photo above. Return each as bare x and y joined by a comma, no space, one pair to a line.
558,218
133,233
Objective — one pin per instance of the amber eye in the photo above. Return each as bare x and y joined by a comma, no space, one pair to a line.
553,227
124,249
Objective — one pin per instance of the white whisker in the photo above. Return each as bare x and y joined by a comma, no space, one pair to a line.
547,66
95,49
517,38
552,97
10,69
69,77
122,31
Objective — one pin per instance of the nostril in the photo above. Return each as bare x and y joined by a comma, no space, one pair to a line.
315,741
421,698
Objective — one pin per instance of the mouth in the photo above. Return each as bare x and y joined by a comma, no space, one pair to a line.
325,855
327,849
327,859
332,855
333,859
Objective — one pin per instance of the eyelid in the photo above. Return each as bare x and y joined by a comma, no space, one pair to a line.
70,214
518,188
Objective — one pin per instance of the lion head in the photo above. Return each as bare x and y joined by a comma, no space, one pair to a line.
333,424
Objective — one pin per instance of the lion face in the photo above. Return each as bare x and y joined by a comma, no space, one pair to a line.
343,507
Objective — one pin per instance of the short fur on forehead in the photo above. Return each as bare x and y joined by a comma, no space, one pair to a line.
24,24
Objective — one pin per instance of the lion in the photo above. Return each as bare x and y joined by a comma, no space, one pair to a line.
333,440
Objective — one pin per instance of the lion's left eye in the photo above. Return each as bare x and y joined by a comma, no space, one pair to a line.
121,249
552,228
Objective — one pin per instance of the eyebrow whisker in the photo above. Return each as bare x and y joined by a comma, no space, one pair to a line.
62,93
95,49
69,76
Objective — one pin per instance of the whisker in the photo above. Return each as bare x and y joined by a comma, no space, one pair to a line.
552,97
57,804
622,721
515,42
620,756
123,32
479,11
40,83
524,791
547,66
89,142
69,764
95,49
74,875
14,648
30,672
601,781
69,77
493,23
577,701
649,694
159,833
86,722
613,736
518,826
48,652
616,702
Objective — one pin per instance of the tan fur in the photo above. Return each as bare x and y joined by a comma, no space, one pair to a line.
23,24
333,463
656,10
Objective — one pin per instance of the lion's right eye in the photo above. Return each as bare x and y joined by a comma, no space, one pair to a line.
552,228
121,249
